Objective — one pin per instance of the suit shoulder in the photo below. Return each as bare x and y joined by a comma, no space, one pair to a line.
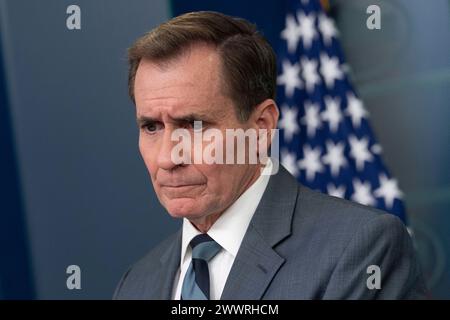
331,222
132,282
319,206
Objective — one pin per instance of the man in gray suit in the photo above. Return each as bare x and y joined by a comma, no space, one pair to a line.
250,231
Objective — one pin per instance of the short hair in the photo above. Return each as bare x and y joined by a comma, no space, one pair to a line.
248,62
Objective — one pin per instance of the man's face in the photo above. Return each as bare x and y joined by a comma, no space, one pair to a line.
188,89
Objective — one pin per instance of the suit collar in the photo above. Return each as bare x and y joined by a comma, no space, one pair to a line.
257,262
273,216
170,262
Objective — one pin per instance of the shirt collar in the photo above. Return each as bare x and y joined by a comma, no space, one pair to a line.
229,230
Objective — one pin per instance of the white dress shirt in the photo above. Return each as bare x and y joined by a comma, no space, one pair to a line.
228,231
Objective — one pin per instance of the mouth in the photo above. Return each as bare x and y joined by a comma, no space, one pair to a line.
180,185
182,191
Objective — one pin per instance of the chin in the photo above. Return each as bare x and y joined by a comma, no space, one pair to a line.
183,208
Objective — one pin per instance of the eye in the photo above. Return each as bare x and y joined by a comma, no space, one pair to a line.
152,127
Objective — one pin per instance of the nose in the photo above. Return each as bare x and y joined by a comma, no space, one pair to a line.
167,155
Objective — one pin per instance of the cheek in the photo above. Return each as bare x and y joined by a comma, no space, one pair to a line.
211,172
147,155
220,178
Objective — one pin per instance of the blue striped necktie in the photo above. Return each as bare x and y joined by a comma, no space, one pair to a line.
196,280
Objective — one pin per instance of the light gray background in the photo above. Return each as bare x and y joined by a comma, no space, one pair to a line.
87,195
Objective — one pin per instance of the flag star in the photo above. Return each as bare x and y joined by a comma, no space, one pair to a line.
330,70
362,193
311,162
335,157
332,114
327,28
309,73
377,149
307,28
290,77
360,151
336,191
388,190
311,118
288,122
288,160
355,109
291,33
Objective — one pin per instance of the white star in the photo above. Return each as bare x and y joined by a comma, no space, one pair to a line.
376,149
288,160
290,78
330,70
327,28
332,114
307,29
291,33
335,157
288,122
311,118
309,73
355,109
336,191
311,162
362,193
359,151
388,190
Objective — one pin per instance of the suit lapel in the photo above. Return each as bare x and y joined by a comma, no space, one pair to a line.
257,262
170,262
253,269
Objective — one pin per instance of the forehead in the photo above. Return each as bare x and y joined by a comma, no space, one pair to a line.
190,81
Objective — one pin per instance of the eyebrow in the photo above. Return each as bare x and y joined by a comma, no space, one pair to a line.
189,118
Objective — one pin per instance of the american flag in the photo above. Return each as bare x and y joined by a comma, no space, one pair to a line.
325,138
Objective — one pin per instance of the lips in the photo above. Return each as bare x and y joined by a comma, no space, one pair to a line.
182,191
176,183
178,180
180,185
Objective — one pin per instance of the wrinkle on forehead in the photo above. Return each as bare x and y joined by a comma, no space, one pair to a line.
199,65
193,80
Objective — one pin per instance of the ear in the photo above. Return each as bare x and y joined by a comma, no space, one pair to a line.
265,116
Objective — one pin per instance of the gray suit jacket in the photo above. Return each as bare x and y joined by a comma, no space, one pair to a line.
300,244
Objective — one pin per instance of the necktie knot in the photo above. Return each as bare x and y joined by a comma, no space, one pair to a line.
204,247
196,281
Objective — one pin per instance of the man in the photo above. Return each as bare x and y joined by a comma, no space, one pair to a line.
245,234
